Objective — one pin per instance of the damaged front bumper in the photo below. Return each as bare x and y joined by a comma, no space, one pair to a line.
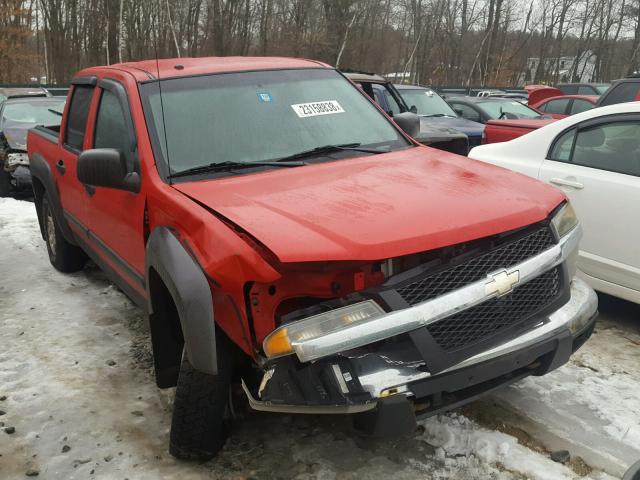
392,376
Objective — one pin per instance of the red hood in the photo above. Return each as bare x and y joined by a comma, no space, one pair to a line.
376,207
523,123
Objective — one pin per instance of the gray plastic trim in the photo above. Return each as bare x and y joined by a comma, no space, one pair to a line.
191,293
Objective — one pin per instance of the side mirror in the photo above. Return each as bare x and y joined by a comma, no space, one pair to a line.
106,167
458,111
409,122
413,109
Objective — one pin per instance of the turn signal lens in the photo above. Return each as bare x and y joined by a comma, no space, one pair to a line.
277,344
565,220
282,341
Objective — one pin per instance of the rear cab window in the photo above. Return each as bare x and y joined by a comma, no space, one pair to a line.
77,117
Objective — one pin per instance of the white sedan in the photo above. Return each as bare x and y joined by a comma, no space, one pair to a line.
594,157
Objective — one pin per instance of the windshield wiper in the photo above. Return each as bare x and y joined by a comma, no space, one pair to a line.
436,115
329,149
226,166
55,111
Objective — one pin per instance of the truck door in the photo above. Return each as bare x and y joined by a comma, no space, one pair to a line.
73,140
116,217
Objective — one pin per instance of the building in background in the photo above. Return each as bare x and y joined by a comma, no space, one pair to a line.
566,69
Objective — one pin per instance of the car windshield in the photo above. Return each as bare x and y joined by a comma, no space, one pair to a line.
496,108
33,112
427,102
602,88
260,116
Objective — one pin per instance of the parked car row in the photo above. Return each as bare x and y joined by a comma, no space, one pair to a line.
287,239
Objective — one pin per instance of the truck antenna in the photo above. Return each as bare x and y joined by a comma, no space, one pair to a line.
164,130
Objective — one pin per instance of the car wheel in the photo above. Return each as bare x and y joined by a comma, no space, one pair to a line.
200,424
5,182
64,256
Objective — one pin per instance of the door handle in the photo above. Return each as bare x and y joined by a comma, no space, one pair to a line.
60,167
90,189
567,183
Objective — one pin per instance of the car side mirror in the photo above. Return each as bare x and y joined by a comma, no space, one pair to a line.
413,109
409,122
458,111
106,167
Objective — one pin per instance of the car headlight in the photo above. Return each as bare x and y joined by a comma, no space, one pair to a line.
282,341
564,220
17,159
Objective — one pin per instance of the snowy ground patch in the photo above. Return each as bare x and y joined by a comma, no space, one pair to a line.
76,385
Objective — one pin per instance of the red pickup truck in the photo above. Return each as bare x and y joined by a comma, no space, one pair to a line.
286,236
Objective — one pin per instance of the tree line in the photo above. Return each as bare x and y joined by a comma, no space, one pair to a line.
439,42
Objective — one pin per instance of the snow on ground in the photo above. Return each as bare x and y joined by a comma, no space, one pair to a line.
76,384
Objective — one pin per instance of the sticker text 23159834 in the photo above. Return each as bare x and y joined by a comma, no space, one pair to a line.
314,109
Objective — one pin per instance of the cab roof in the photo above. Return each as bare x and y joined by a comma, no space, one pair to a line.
183,67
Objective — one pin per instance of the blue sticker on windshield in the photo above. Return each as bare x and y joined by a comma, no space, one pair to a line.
264,97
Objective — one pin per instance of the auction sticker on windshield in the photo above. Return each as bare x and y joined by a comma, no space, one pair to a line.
313,109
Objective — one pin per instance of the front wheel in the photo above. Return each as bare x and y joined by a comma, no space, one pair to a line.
64,256
199,427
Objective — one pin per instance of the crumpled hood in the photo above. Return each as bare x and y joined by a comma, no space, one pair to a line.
469,128
16,138
377,206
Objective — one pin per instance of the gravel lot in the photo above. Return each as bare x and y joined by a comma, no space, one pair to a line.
76,385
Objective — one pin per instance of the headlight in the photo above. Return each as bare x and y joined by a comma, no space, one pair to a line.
564,220
17,159
282,341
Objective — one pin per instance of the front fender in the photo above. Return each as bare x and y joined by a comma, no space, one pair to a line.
191,293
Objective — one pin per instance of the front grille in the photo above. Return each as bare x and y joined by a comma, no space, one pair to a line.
489,318
477,268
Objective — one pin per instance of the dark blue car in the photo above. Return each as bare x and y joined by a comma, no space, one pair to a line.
433,109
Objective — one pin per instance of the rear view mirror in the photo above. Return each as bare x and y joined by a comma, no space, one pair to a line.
413,109
409,122
106,167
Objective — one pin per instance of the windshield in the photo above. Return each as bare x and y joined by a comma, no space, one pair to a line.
602,88
496,108
37,112
261,116
427,102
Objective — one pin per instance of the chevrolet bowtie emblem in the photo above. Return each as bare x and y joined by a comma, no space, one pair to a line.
501,283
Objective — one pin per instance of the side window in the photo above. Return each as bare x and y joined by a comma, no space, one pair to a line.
561,150
586,90
623,92
580,106
393,105
569,89
557,106
111,128
467,112
77,118
380,100
543,107
613,147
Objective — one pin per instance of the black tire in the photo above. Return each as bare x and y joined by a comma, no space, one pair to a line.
200,427
64,256
5,182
